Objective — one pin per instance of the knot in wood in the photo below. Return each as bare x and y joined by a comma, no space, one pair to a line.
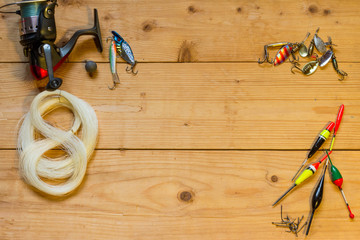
185,196
274,178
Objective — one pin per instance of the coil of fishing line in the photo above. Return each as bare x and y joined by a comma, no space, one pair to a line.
31,7
34,166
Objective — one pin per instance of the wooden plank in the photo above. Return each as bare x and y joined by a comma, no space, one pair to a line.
171,31
198,106
135,195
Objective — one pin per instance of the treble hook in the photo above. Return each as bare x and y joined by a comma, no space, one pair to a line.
343,74
295,60
131,69
261,61
266,56
295,65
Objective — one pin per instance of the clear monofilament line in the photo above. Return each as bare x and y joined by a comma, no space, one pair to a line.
34,166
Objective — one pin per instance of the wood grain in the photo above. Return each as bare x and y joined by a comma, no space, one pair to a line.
135,195
199,106
203,140
190,31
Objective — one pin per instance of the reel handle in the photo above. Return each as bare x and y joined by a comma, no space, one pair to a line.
54,83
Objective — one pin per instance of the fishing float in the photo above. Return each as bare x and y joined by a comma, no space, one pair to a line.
307,173
337,179
337,124
316,197
321,138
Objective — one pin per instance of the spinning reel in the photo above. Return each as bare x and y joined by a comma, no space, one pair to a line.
38,34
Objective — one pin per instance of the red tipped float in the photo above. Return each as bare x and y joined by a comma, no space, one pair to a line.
330,126
337,124
337,179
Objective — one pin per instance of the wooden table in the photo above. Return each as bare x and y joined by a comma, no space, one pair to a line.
203,140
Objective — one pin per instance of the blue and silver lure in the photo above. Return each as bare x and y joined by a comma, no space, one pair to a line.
124,50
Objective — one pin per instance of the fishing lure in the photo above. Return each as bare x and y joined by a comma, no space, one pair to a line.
337,179
335,64
285,51
319,43
124,50
324,59
308,68
311,67
112,58
327,54
324,134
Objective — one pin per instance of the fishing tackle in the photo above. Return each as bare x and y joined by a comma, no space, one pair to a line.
337,179
303,52
90,67
307,173
324,59
316,197
291,224
308,68
337,124
124,50
335,64
285,51
319,43
340,72
38,35
311,67
324,134
311,48
112,58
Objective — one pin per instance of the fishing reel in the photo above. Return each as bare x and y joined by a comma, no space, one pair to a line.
38,34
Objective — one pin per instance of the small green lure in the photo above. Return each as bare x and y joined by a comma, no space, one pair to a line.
112,58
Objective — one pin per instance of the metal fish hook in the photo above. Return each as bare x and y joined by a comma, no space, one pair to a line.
295,65
109,38
335,63
131,69
295,60
113,87
342,74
